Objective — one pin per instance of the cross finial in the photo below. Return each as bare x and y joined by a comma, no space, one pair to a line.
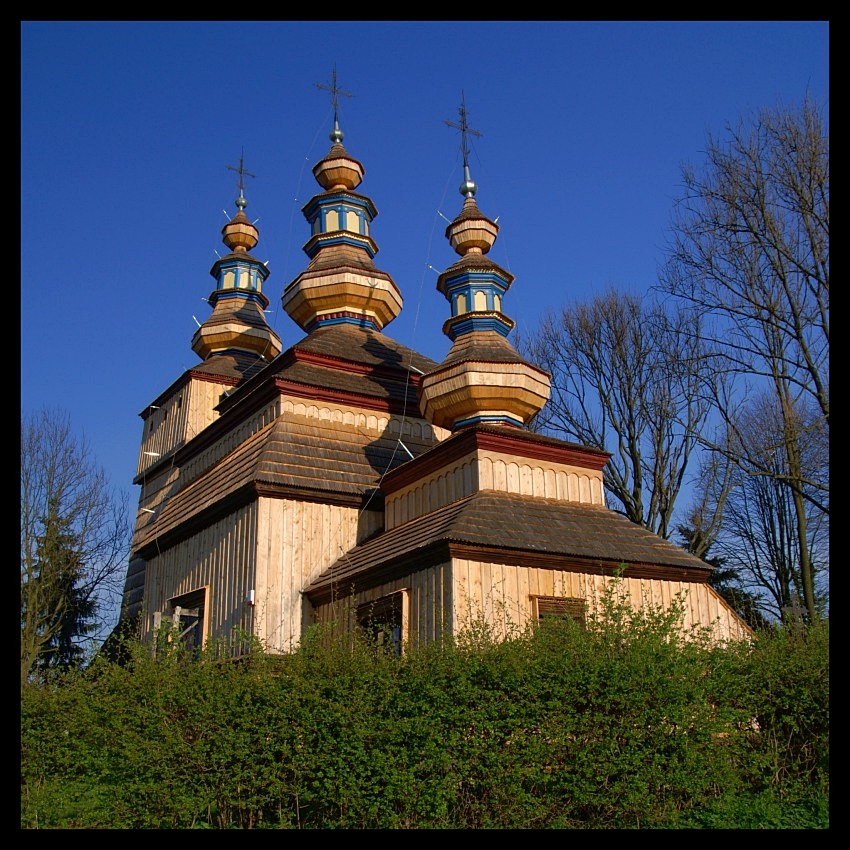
467,188
335,91
240,201
465,130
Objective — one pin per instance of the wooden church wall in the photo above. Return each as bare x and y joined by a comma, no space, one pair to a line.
486,471
427,602
233,439
177,419
454,598
540,480
502,595
298,541
220,558
155,491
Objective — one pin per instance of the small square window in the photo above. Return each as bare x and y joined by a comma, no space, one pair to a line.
563,607
383,621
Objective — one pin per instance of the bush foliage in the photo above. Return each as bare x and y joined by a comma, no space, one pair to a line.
625,724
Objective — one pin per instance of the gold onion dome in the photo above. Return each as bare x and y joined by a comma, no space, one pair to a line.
482,379
239,234
237,325
341,284
338,170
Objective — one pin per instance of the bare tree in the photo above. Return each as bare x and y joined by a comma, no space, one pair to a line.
74,543
760,534
749,255
623,380
703,520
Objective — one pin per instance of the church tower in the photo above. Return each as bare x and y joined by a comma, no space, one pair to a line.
238,324
482,379
341,284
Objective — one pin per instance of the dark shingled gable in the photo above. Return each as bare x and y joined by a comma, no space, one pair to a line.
381,364
230,309
538,527
484,347
229,366
377,386
475,262
362,345
364,348
290,455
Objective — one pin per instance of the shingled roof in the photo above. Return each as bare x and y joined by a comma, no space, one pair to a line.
230,366
483,346
362,345
312,458
543,532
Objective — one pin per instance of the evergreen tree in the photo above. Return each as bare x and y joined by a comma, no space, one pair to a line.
68,611
74,535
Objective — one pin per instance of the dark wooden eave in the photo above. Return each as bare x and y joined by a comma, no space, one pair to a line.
204,518
290,458
345,364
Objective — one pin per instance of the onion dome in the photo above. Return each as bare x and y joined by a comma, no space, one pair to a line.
238,323
341,284
482,378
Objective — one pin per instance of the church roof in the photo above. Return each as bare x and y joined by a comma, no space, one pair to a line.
543,532
229,366
349,359
483,346
363,345
310,459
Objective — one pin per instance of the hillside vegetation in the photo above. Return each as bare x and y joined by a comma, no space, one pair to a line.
624,724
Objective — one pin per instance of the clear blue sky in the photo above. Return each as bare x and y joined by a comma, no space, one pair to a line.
128,129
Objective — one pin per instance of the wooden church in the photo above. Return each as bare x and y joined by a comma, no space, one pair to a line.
349,480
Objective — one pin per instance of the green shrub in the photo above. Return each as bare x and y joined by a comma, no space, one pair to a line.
625,724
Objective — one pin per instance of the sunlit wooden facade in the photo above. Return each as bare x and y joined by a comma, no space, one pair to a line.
347,474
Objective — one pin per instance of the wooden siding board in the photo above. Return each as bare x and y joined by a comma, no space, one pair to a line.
523,592
261,586
204,561
447,601
279,570
453,588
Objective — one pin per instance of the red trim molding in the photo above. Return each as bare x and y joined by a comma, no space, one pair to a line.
517,444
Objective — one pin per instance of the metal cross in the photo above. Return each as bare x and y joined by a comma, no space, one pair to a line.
335,92
464,128
242,174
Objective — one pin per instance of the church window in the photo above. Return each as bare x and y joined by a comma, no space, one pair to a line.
383,621
561,607
186,614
